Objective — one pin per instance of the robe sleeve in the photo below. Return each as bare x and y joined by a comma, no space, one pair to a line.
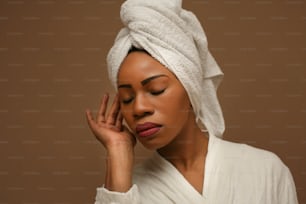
288,193
104,196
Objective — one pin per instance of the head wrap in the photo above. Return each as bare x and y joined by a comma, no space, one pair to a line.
175,38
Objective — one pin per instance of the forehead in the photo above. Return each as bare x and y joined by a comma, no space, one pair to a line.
138,66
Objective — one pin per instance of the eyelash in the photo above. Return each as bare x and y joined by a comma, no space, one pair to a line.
127,101
157,92
154,93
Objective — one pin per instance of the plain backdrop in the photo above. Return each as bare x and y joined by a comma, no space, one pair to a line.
52,67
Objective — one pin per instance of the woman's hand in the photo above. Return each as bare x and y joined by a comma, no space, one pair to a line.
108,128
119,143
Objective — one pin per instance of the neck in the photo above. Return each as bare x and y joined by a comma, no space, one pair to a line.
188,149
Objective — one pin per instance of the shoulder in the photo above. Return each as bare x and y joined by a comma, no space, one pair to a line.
258,173
242,159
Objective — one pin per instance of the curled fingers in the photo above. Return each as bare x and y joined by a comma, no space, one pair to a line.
119,121
113,114
102,110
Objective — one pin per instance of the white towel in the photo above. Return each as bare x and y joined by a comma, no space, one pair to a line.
175,38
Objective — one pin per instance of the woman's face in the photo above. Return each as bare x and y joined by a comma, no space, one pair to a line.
153,102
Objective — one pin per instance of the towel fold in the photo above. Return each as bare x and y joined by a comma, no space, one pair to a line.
174,37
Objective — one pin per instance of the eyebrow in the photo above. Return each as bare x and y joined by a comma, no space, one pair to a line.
143,82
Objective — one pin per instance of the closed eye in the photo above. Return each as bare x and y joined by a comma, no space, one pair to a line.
157,92
127,101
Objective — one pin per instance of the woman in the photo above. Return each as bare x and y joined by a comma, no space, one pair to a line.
166,81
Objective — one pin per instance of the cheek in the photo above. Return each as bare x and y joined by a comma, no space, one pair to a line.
182,99
178,106
183,106
127,115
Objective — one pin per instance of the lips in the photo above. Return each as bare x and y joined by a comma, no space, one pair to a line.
147,129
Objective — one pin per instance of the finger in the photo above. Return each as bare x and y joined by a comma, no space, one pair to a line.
102,109
119,121
113,113
90,120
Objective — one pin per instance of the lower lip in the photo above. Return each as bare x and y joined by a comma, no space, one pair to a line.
148,132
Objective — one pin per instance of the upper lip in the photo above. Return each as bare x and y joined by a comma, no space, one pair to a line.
146,126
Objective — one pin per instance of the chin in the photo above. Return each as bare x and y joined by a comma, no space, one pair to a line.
155,142
151,145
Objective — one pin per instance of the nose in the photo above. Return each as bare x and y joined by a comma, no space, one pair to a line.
142,106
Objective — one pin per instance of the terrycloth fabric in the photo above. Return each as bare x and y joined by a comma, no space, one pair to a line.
175,38
234,174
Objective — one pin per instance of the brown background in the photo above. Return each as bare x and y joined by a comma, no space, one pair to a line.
52,67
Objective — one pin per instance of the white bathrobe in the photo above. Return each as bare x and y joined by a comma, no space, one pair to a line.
234,174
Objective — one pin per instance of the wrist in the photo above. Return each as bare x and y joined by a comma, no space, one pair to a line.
119,162
119,149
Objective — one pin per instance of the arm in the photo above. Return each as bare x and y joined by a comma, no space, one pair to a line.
288,194
118,142
119,165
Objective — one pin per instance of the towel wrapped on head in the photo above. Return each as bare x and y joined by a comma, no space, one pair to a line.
174,37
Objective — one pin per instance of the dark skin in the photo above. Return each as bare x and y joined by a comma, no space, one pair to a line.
149,92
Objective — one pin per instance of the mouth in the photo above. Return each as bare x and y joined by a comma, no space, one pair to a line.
147,129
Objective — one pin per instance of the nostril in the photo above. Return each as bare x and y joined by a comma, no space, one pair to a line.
141,115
